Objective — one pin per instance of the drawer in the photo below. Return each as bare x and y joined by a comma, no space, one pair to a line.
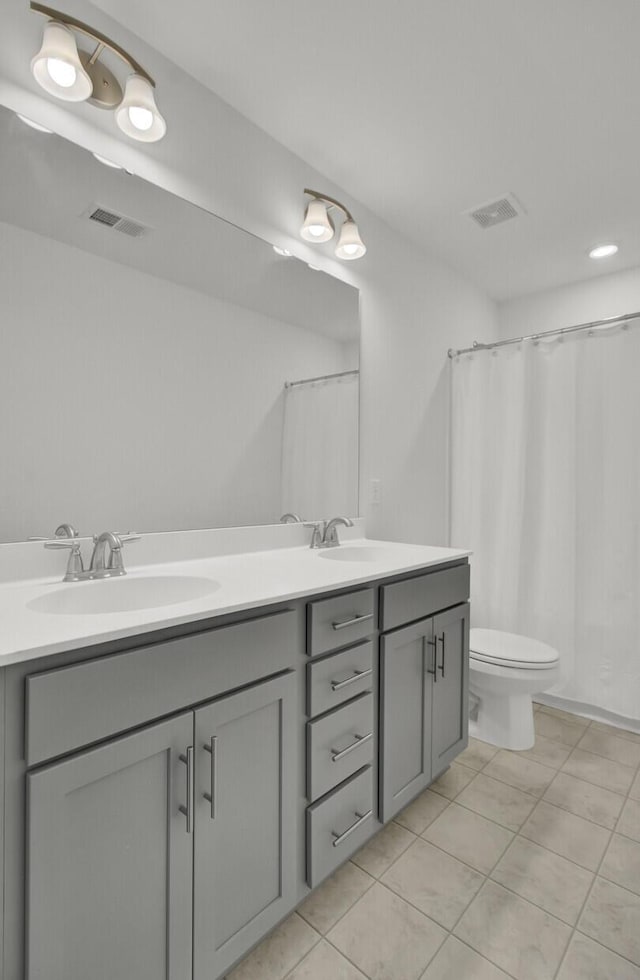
83,703
336,622
336,679
338,825
414,598
338,744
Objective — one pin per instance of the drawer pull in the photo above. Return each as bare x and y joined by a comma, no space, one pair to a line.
339,838
188,809
212,797
342,624
336,755
338,685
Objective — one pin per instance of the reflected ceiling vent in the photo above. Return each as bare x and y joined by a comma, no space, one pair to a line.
127,226
495,212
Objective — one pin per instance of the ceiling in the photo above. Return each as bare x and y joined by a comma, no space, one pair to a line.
422,109
50,186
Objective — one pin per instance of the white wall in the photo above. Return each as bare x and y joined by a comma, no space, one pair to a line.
566,306
130,402
414,307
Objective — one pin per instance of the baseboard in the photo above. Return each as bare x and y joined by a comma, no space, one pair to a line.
590,711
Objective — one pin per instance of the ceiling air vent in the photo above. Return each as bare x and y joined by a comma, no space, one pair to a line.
126,226
495,212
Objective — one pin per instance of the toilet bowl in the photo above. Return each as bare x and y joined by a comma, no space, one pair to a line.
505,670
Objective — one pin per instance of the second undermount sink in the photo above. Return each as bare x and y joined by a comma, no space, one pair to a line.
124,594
366,553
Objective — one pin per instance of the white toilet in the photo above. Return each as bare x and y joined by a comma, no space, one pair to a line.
504,671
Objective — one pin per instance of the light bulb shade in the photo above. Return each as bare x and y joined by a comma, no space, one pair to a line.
138,115
317,226
350,245
57,66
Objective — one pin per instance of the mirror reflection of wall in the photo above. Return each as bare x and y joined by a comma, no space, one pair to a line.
143,367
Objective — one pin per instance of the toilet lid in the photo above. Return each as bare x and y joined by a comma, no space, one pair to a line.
511,650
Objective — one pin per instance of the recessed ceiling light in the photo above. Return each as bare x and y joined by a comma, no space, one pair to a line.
603,251
282,251
33,124
107,163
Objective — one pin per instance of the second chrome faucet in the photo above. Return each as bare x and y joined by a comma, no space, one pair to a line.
325,533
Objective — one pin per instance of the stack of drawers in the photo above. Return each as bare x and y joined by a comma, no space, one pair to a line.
340,731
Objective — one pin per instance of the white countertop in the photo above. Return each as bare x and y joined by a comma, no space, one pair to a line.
247,580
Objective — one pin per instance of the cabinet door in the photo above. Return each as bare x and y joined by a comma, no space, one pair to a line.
109,861
405,716
450,686
245,836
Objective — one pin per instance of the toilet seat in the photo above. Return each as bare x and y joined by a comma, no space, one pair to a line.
510,650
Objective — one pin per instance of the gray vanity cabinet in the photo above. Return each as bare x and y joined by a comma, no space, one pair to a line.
244,833
109,869
424,682
450,687
405,716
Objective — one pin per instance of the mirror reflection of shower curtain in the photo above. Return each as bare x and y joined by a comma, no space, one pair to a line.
320,448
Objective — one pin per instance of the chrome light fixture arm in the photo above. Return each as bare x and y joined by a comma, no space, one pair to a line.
329,201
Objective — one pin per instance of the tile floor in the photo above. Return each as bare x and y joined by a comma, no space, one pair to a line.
512,865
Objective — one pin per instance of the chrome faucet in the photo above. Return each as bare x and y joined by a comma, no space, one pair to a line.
290,518
325,534
99,566
330,537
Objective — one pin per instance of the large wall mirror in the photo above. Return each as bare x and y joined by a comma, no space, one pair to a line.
155,359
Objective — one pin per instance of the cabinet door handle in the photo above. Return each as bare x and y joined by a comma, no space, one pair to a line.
188,809
342,624
339,838
212,797
441,667
336,755
338,685
434,672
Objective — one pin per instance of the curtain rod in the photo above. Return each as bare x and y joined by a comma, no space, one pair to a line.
321,377
546,333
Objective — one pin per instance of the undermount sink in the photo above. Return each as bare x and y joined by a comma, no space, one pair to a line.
116,595
355,553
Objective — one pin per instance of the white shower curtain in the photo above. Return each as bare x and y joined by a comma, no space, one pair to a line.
545,474
320,448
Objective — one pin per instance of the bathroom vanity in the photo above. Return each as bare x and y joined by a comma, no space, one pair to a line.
172,793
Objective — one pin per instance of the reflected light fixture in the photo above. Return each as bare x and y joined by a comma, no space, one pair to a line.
106,162
282,251
33,124
318,226
72,75
603,251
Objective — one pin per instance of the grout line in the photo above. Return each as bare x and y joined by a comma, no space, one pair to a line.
599,785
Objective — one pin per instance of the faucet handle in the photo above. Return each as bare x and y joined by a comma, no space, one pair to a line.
56,543
318,533
75,566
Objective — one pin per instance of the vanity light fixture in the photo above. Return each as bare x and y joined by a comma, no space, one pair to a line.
603,251
318,226
282,251
33,124
77,76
